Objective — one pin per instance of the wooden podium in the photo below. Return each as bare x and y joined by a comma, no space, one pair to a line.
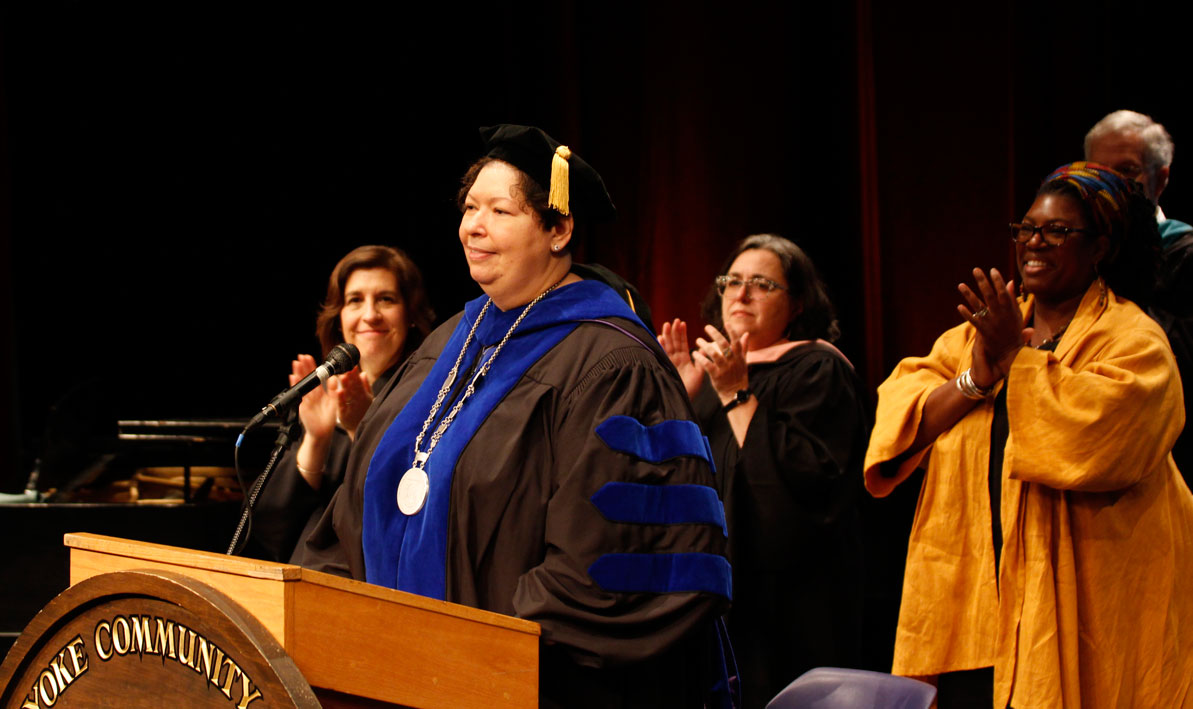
152,620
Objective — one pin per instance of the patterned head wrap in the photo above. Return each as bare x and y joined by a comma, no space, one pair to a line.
1103,190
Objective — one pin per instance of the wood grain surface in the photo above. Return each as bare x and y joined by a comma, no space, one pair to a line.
352,640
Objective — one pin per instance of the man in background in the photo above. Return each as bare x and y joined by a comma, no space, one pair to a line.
1140,149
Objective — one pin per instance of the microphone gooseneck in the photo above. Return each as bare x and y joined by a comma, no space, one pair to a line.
342,357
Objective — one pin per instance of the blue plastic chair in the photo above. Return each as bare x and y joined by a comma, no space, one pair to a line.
837,688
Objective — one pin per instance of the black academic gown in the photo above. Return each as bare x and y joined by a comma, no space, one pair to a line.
1172,308
795,536
523,531
288,508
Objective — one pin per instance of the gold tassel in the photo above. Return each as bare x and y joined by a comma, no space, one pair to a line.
558,197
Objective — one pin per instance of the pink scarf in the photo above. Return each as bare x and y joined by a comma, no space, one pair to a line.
772,353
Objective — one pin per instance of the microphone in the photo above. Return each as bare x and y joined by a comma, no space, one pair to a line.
341,358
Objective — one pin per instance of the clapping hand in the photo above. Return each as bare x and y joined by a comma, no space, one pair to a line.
317,410
354,392
995,314
343,399
674,341
724,360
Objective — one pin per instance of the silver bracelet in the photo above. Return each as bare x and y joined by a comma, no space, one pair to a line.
969,389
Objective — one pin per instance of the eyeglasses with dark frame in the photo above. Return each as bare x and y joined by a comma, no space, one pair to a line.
758,283
1053,234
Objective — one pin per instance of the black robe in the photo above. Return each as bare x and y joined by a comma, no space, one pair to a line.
795,535
288,508
524,531
1172,308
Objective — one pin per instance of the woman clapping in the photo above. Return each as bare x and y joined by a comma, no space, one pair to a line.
375,300
786,421
1053,537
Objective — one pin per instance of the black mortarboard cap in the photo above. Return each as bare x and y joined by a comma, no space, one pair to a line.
575,188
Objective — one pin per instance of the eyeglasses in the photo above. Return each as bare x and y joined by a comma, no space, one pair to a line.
1053,234
761,285
1129,170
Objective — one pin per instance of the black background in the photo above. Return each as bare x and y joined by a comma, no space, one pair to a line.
177,179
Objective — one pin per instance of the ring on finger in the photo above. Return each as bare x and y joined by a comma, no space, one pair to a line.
727,352
982,313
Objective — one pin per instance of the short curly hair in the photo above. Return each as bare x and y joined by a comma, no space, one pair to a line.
1157,143
531,193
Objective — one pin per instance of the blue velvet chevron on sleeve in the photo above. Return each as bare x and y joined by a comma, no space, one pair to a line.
663,573
636,503
657,443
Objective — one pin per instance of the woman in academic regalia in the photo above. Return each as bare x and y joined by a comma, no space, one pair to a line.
376,302
537,455
786,418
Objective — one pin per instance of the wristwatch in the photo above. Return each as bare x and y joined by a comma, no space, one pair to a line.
741,397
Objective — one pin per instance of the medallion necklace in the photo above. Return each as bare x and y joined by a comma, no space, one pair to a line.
414,486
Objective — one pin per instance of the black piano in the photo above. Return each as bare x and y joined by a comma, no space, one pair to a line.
168,482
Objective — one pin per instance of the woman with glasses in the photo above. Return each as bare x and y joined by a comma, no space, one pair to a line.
1053,537
785,417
